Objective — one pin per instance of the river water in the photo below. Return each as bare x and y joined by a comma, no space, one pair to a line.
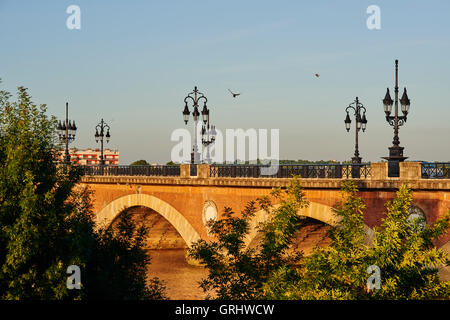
181,278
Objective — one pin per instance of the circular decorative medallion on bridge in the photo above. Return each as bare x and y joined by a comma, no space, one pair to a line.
209,212
414,212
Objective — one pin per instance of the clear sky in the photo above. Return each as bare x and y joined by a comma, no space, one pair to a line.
133,62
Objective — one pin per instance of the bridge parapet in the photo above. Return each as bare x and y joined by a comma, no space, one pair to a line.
428,176
268,183
306,171
372,171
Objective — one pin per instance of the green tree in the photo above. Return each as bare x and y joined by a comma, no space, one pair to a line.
116,266
33,207
402,249
237,271
334,272
46,221
140,163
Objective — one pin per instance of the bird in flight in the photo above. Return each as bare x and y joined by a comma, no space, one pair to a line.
317,75
233,94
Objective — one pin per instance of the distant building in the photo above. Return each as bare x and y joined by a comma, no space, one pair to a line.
91,156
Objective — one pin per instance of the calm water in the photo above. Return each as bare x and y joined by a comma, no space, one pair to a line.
181,279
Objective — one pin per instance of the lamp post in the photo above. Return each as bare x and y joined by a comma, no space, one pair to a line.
360,123
195,97
66,132
99,134
210,133
395,152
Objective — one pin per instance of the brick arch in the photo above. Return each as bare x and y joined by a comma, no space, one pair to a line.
315,211
107,215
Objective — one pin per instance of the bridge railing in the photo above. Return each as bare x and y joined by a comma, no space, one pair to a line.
145,170
436,170
331,171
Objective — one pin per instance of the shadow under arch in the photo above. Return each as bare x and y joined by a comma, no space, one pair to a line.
317,211
107,215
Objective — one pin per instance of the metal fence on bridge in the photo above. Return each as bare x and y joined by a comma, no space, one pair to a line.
145,170
331,171
436,170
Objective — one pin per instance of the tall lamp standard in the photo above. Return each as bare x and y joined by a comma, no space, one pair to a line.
195,97
395,152
208,138
99,134
360,123
66,132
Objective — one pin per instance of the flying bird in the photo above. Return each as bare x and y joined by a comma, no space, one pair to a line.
317,75
233,94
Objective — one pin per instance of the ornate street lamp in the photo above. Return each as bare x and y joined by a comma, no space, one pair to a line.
195,97
66,132
208,138
99,134
360,123
208,133
395,152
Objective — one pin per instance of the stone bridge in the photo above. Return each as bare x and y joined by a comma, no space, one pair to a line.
187,201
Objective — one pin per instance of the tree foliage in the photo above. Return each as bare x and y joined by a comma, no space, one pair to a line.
34,213
402,249
117,264
139,163
237,271
46,221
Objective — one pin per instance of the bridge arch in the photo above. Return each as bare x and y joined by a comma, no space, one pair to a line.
317,211
107,215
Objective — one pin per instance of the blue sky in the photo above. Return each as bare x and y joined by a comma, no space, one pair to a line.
133,62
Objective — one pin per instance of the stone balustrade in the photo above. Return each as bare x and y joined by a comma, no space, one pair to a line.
410,172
